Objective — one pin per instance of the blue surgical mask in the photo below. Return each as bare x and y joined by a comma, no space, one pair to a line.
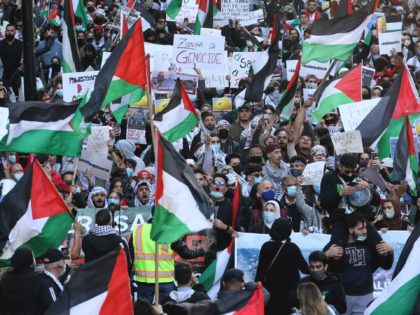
113,201
258,180
12,159
268,195
216,194
317,188
361,238
216,147
18,176
295,172
59,92
291,191
269,217
129,171
376,57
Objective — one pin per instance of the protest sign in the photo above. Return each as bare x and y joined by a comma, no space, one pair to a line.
372,175
393,23
222,104
4,120
160,56
278,71
313,172
353,114
165,81
76,84
347,142
307,93
136,126
367,76
240,64
248,246
203,51
235,9
95,156
389,41
253,17
105,56
215,79
161,104
290,68
189,10
318,69
210,31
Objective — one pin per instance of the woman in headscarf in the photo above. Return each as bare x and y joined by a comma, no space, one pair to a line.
127,148
271,212
278,267
391,219
97,198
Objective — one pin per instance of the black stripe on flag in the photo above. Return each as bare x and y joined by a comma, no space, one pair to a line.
371,128
14,205
401,154
344,24
40,111
176,166
345,7
70,22
174,102
406,250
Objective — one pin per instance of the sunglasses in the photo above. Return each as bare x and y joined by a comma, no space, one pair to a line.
218,182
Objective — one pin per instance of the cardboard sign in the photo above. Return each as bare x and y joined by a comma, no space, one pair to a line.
389,41
347,142
222,104
204,51
76,84
136,126
290,68
235,8
189,10
313,173
353,114
240,64
318,69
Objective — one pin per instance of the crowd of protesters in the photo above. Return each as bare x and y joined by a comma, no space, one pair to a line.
254,147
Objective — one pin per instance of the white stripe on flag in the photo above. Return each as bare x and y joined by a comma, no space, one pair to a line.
92,306
221,264
172,118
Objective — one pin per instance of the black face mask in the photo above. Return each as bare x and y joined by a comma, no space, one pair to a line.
366,96
237,169
80,42
55,67
89,40
229,193
223,133
10,37
255,159
347,178
330,122
91,9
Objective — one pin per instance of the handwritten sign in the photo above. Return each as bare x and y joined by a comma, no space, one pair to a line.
76,84
347,142
389,41
240,64
253,17
136,127
235,8
318,69
204,51
189,10
313,172
353,114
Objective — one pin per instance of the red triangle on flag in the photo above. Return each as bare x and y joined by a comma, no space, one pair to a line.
351,84
188,105
407,102
255,305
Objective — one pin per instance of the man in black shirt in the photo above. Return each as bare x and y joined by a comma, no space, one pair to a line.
10,53
288,208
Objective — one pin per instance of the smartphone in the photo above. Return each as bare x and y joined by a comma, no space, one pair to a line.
373,155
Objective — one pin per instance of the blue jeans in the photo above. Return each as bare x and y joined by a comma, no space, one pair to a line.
147,291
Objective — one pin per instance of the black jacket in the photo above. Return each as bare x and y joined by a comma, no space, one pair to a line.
47,292
292,212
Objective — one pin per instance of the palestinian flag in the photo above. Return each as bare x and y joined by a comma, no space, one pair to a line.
400,296
293,24
123,25
386,119
287,99
345,89
34,215
80,12
335,39
405,158
38,127
263,70
101,287
173,8
118,109
254,306
53,18
123,73
203,9
345,8
177,119
71,58
182,206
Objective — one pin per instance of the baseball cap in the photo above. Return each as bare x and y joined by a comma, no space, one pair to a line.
232,275
52,255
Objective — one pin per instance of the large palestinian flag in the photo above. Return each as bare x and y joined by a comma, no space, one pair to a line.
123,73
400,296
254,305
32,214
345,89
71,58
386,119
335,39
182,206
80,11
173,8
37,127
287,99
178,118
101,287
204,8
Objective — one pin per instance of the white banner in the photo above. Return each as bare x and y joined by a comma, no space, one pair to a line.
318,69
389,41
76,84
240,63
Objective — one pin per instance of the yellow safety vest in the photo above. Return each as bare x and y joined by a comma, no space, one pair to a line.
144,257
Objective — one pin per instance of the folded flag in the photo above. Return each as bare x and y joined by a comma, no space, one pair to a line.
101,287
337,38
37,127
346,88
177,119
71,58
287,99
34,215
182,206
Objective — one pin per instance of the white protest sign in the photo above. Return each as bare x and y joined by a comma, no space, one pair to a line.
353,114
160,56
290,68
308,93
204,51
210,31
4,120
136,126
318,69
252,18
215,79
105,56
240,64
389,41
235,8
76,84
95,156
313,172
347,142
189,10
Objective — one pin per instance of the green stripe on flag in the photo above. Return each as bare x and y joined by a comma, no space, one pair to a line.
166,226
324,53
330,103
208,277
182,129
173,8
117,89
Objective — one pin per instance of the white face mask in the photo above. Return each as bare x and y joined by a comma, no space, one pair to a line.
389,213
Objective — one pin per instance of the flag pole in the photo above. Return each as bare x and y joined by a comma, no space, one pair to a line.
324,79
154,142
